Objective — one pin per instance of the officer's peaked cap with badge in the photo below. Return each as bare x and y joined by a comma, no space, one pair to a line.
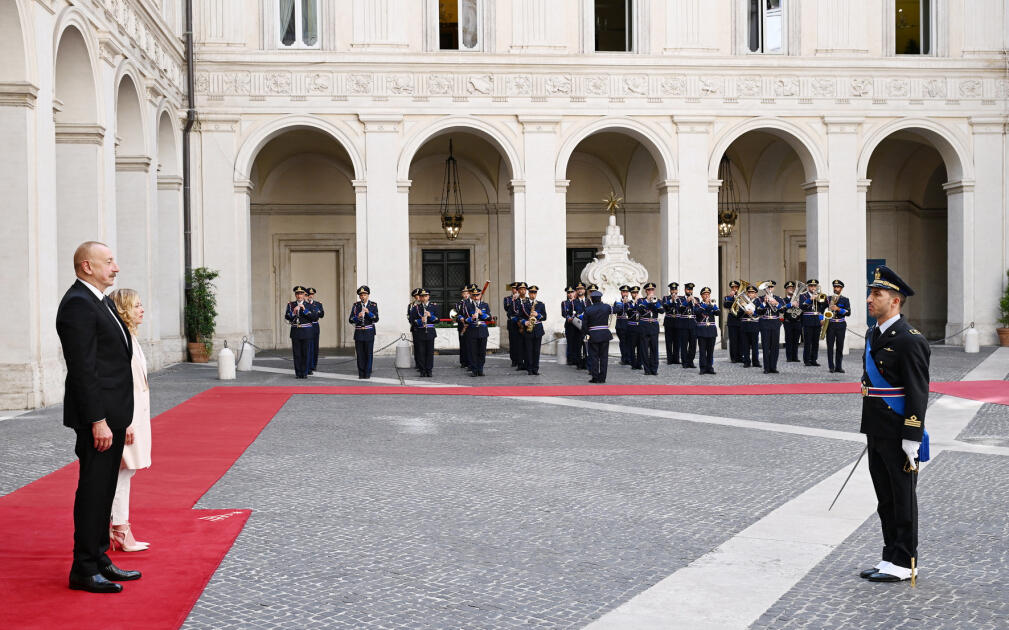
580,285
592,287
635,289
310,290
569,289
734,283
674,285
415,293
363,289
595,294
521,285
885,278
771,283
299,289
751,288
649,285
705,290
533,288
625,287
813,281
837,283
424,293
790,284
689,286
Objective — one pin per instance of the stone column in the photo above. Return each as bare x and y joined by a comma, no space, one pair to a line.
221,229
541,225
845,223
816,228
669,225
136,232
697,233
78,192
961,253
168,274
383,233
990,245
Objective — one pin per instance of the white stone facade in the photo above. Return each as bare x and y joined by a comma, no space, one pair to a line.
322,163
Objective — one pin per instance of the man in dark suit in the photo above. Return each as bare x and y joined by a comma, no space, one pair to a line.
894,399
598,336
98,406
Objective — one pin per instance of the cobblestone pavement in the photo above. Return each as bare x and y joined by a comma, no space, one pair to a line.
482,513
433,512
963,531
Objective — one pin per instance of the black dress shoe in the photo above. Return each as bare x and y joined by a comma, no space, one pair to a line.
883,577
756,365
93,584
814,364
711,371
839,371
772,371
867,572
592,380
112,572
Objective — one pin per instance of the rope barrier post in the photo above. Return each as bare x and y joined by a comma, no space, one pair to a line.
404,359
245,355
971,340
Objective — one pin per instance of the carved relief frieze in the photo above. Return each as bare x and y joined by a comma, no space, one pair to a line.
787,86
400,84
520,85
202,83
558,84
636,85
748,86
147,46
711,86
898,88
360,84
823,87
237,83
439,84
318,83
597,85
674,86
970,88
480,84
278,83
861,87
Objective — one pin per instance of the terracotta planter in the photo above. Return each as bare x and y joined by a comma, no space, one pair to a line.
1003,337
198,353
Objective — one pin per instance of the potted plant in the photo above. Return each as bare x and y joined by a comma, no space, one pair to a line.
201,313
1003,305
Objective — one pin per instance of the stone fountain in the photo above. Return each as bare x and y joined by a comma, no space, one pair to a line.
613,265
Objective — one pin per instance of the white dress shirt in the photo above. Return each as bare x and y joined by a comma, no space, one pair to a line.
101,298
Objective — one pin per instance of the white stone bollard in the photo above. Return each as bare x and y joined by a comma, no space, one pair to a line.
404,358
562,351
245,357
971,341
226,364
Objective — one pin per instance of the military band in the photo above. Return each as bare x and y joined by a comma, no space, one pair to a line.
706,316
300,315
840,307
769,308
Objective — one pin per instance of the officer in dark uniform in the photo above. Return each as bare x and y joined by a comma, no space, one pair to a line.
619,311
475,315
598,336
750,330
840,306
461,327
572,332
414,300
671,324
895,394
320,312
732,322
793,325
521,294
706,315
423,316
769,308
634,328
812,310
688,327
300,315
532,336
514,351
580,304
649,308
363,316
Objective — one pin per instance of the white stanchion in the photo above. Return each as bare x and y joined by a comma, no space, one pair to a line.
245,357
404,358
226,364
971,341
562,351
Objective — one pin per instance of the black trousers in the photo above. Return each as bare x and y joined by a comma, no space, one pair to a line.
423,353
364,349
477,353
463,349
573,337
515,351
810,343
706,350
300,347
672,340
531,346
688,343
750,350
735,355
835,343
770,338
96,487
597,359
625,355
897,500
633,338
793,332
648,348
313,357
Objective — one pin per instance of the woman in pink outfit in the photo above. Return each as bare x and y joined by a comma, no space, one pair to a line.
137,453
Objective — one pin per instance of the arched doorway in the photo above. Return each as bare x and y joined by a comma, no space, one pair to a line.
79,139
303,227
911,226
483,250
169,281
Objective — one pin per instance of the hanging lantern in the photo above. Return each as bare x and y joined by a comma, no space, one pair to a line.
728,202
451,198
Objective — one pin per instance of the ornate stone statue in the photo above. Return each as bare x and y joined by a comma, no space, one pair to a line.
613,266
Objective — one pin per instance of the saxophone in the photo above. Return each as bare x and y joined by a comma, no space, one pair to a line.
828,315
534,317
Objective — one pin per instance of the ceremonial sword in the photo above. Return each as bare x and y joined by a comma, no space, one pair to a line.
860,456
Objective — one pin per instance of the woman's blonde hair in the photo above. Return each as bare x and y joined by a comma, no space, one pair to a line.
126,300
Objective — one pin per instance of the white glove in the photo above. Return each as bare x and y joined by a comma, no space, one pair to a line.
910,449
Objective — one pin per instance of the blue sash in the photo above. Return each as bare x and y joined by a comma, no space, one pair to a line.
894,402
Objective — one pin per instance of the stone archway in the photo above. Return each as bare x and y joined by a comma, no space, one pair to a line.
168,276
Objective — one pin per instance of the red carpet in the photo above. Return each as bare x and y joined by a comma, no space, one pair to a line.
984,391
194,445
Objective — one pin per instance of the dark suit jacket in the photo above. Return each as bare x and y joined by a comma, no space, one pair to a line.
99,376
902,357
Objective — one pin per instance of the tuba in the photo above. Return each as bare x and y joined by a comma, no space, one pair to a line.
795,310
741,299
